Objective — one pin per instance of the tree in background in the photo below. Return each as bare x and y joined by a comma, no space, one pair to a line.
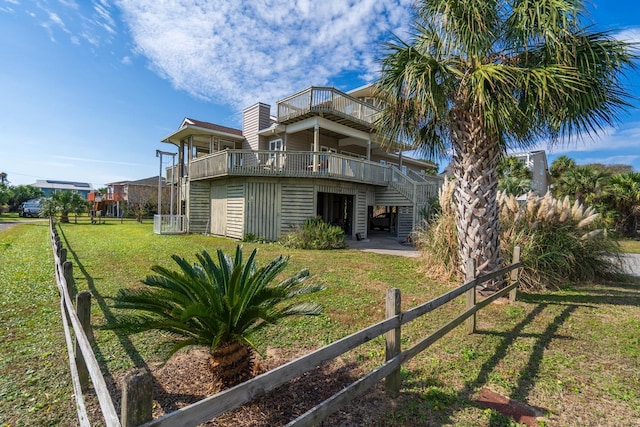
481,76
22,193
65,202
584,183
623,196
560,166
514,176
3,178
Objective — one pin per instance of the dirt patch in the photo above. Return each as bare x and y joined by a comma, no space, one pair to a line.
186,379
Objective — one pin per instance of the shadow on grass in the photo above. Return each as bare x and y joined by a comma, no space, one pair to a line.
123,338
625,293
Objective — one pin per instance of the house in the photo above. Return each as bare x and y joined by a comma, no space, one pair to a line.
50,186
318,156
131,196
536,162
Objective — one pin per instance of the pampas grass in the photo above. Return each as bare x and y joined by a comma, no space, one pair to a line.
560,241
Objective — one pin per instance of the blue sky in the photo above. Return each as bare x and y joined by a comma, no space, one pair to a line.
89,88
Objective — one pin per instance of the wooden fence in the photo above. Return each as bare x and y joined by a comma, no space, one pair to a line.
136,387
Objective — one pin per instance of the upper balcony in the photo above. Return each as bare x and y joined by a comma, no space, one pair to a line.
330,103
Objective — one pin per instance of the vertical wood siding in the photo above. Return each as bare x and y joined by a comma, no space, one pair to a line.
235,211
298,204
405,221
391,197
219,209
360,213
198,207
263,207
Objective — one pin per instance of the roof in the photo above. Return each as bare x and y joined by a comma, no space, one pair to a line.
63,185
145,181
212,126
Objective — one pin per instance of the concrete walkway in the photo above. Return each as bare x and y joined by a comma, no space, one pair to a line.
384,244
388,245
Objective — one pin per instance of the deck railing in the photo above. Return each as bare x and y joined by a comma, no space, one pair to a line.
417,188
302,164
325,99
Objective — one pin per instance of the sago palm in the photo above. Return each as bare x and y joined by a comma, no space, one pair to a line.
481,76
216,305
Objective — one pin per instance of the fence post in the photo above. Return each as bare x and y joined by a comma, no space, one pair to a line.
83,310
514,274
469,275
67,271
63,255
392,381
137,398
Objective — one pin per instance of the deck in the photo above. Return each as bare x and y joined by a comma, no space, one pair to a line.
334,105
306,164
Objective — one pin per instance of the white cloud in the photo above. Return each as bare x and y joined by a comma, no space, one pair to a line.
630,35
240,52
610,160
609,138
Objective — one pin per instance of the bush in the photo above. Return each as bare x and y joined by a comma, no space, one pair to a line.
560,242
315,234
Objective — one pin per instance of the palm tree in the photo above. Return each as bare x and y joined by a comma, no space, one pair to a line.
481,76
624,191
584,183
217,306
561,165
67,202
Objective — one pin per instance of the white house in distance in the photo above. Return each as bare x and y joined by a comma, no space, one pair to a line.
536,162
317,156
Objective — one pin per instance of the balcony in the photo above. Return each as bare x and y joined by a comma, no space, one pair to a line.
331,103
293,164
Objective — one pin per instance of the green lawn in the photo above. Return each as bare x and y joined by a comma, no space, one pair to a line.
630,246
573,353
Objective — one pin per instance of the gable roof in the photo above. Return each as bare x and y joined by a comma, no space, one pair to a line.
145,181
212,126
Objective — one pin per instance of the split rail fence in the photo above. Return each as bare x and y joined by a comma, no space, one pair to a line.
137,397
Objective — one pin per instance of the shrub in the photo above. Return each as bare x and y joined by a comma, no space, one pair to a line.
217,303
315,234
560,242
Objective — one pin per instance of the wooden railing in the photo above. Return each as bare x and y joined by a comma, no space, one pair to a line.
420,189
82,361
297,164
325,100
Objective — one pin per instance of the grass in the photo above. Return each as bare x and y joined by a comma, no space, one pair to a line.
574,353
630,246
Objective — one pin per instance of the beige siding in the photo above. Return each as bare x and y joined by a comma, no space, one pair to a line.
263,208
254,119
235,211
198,208
298,204
303,141
219,210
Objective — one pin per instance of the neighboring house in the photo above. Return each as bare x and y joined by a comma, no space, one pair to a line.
536,162
131,196
50,186
318,156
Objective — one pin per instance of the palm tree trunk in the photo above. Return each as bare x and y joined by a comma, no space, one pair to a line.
475,161
232,363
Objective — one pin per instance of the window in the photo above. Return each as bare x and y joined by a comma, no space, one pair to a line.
276,145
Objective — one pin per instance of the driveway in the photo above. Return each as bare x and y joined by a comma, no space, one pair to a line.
381,244
632,264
